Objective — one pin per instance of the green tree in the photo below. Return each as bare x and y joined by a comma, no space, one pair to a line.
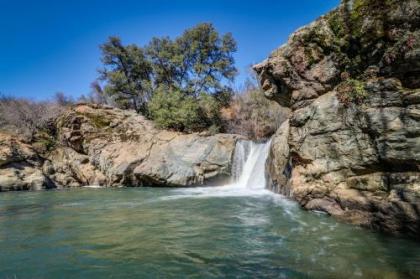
199,61
164,57
191,73
126,73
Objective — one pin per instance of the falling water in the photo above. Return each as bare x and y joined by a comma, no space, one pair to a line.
239,158
248,168
248,174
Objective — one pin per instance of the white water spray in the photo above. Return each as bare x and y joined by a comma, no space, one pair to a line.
248,174
249,164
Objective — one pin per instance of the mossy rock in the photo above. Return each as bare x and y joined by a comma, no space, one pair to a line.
44,141
99,121
352,91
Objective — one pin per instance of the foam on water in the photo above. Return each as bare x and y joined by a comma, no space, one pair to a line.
93,187
248,174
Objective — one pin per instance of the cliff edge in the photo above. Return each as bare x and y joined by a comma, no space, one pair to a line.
351,146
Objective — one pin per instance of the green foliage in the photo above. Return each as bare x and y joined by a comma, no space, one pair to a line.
177,110
375,12
196,62
190,73
174,110
44,140
214,129
340,27
352,91
309,53
210,108
127,73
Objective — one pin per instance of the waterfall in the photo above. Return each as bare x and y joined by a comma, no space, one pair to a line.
239,158
248,174
248,168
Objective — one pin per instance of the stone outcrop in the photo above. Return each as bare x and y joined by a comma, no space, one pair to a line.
20,166
111,147
352,144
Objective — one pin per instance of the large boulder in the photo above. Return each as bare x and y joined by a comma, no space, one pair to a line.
112,147
352,144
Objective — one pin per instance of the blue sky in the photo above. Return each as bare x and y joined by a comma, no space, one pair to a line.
50,46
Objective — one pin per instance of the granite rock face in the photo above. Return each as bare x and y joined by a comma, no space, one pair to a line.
111,147
352,144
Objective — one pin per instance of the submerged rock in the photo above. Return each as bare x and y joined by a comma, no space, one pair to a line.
352,144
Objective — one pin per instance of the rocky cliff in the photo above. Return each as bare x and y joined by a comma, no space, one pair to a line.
110,147
351,146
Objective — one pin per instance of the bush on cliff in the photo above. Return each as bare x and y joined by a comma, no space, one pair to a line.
351,91
174,110
179,111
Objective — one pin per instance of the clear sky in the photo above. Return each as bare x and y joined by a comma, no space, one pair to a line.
52,45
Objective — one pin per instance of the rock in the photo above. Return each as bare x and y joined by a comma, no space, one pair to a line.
14,150
112,147
98,145
68,168
351,147
278,162
20,166
174,163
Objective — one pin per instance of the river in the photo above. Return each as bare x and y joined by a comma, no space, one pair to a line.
235,231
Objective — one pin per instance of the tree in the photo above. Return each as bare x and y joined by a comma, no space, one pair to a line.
198,66
62,99
127,74
199,61
165,60
208,59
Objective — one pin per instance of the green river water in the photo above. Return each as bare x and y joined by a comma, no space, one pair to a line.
187,233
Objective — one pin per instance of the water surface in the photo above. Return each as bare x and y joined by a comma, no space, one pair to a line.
187,233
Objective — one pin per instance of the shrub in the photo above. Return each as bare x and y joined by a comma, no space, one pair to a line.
172,109
351,91
175,109
26,117
252,115
210,111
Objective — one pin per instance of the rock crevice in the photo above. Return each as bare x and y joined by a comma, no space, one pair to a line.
352,144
